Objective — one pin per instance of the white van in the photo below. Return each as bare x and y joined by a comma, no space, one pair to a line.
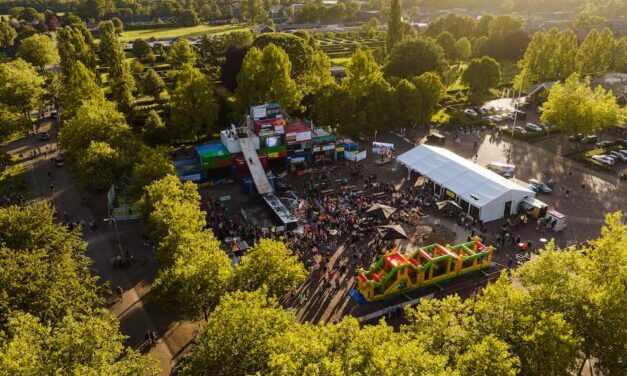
503,169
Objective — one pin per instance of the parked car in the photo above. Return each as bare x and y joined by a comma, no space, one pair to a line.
470,112
503,169
520,129
621,142
533,127
538,186
508,116
618,156
590,139
604,159
604,144
522,115
59,161
44,136
576,137
623,151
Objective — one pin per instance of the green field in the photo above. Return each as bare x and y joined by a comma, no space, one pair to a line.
177,31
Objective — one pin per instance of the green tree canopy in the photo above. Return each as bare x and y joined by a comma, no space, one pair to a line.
246,321
141,49
79,85
95,120
447,42
200,275
39,50
21,87
122,81
299,52
463,48
271,264
181,54
413,57
88,344
482,74
265,78
395,31
154,131
152,84
575,108
193,106
362,72
74,46
7,34
99,166
43,267
151,164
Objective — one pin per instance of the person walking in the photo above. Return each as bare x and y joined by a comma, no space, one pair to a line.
120,291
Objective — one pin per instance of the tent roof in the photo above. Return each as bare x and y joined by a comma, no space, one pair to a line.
474,183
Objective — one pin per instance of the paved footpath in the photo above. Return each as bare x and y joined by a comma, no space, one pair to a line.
135,313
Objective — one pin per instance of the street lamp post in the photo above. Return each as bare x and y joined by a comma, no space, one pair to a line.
511,145
117,234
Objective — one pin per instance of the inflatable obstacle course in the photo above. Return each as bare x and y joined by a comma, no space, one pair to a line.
395,273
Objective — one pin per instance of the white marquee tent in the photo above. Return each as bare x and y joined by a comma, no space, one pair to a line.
480,192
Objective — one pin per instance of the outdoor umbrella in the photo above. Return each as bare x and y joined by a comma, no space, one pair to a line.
448,205
380,211
391,232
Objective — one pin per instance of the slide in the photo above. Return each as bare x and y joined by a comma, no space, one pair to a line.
256,169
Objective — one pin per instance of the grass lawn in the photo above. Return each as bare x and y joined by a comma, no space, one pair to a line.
178,31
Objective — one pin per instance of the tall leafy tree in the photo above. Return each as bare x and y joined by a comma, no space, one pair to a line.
549,56
96,120
122,81
247,321
79,84
151,164
21,87
79,344
152,84
482,74
395,30
39,50
413,57
575,108
181,54
297,49
265,77
447,42
271,264
74,46
99,166
141,49
172,209
154,131
362,72
254,10
595,55
7,34
463,48
44,270
200,275
96,9
193,107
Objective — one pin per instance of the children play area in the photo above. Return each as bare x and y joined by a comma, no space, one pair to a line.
395,273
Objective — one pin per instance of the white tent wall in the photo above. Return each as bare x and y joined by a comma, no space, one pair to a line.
471,183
